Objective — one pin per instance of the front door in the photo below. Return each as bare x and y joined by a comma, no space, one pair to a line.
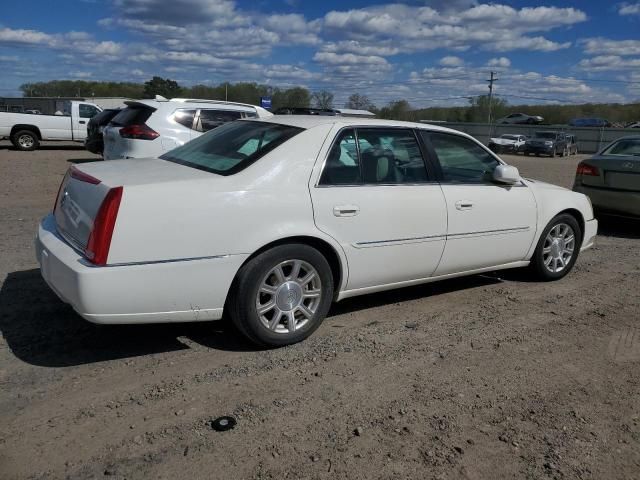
376,198
81,118
489,224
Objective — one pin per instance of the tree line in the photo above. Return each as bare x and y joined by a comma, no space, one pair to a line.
250,92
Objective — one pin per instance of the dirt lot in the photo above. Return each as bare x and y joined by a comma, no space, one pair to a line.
487,377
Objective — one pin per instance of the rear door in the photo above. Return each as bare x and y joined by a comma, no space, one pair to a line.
377,199
489,224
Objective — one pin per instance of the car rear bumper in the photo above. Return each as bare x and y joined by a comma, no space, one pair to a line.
614,201
171,291
533,149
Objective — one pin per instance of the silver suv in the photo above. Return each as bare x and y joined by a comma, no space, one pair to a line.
149,128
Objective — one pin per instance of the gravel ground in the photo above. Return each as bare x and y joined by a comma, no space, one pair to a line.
491,376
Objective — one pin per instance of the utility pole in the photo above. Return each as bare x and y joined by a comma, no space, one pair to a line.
226,90
491,80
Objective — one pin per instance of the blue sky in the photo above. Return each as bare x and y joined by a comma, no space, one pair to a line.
434,52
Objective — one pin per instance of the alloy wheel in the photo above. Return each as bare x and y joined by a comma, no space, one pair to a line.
558,247
288,296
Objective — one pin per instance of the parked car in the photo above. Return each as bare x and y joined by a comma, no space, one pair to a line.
519,118
590,122
149,128
274,219
611,178
572,144
507,143
305,111
26,130
547,143
94,141
633,125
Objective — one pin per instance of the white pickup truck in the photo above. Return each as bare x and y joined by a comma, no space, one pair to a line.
26,131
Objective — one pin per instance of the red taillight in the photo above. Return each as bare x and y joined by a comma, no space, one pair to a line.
139,132
83,177
584,169
99,242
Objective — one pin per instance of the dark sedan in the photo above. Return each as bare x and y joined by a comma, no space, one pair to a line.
611,178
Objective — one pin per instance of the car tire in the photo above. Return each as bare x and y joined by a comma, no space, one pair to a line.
268,295
25,140
557,249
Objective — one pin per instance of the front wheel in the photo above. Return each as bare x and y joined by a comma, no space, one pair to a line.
557,249
281,296
25,140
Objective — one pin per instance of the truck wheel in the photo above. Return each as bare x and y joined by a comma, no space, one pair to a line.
25,140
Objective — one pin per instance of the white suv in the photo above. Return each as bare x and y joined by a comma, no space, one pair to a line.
149,128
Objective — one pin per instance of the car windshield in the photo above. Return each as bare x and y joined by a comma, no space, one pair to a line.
630,146
509,137
231,147
550,135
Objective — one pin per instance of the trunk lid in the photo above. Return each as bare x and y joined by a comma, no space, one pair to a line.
85,187
616,172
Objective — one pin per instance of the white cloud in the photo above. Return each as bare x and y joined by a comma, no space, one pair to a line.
502,62
605,46
629,9
609,62
451,61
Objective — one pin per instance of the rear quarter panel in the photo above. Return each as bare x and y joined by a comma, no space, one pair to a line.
221,215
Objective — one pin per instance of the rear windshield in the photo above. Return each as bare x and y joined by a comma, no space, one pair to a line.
545,135
232,146
132,116
629,146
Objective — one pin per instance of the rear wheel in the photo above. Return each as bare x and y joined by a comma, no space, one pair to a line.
557,249
281,296
25,140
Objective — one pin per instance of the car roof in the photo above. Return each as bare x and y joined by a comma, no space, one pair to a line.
193,103
310,121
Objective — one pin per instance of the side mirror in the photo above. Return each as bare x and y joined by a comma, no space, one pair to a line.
506,174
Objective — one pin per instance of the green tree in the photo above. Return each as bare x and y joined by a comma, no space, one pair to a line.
479,111
323,99
162,86
291,97
359,102
397,110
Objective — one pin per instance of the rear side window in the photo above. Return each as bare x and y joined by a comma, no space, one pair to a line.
231,147
210,119
185,117
374,156
132,116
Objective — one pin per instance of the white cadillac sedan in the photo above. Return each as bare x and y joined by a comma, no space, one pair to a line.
272,220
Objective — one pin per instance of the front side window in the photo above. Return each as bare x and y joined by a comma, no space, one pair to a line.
231,147
210,119
461,159
87,111
374,156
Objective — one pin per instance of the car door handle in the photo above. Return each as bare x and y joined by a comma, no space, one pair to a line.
82,122
346,210
464,205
